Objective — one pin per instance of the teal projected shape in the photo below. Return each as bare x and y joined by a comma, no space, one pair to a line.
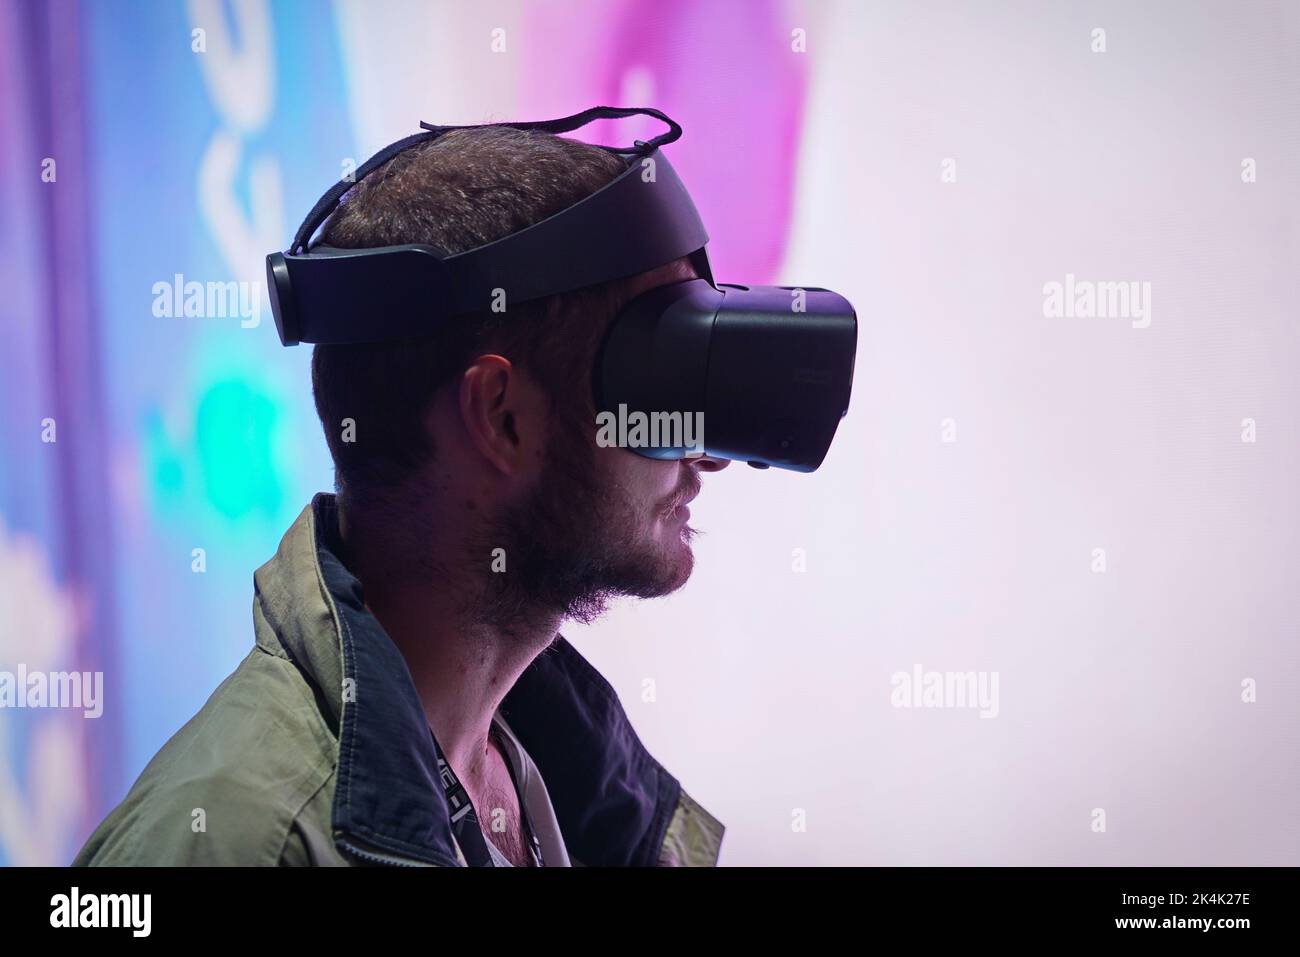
233,437
164,463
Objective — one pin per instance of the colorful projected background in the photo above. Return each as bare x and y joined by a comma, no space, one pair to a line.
183,157
936,162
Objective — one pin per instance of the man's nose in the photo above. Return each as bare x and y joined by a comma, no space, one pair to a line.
709,463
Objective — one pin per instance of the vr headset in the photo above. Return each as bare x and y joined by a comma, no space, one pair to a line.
764,371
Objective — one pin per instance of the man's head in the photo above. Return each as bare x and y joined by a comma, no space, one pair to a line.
485,430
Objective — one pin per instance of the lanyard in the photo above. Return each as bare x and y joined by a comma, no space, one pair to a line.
464,819
464,822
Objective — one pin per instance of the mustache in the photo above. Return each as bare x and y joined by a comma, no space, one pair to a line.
689,489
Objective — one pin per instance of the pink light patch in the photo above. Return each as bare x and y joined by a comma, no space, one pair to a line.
724,71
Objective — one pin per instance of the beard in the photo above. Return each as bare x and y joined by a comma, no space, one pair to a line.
577,540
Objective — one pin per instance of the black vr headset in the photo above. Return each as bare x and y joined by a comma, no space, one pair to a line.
765,371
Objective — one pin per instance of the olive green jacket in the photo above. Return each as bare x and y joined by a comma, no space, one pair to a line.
316,751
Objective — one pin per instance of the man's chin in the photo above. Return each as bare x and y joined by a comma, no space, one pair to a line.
660,573
652,574
676,563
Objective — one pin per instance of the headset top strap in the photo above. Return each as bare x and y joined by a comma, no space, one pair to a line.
567,124
329,202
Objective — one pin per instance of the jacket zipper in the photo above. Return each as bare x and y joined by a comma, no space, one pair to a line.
378,855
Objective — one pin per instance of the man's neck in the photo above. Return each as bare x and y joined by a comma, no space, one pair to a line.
462,667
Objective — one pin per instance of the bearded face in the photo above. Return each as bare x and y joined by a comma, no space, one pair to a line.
599,523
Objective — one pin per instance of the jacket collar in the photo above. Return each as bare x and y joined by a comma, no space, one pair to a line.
612,799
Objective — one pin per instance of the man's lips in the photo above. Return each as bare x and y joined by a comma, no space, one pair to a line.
679,504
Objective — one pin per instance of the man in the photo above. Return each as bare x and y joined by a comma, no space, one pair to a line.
409,699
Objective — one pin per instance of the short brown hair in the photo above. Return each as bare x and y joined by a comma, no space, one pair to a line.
456,192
